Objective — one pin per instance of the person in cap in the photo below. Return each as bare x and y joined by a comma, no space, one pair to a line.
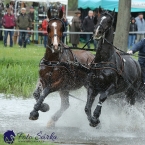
140,22
8,22
132,36
75,27
23,23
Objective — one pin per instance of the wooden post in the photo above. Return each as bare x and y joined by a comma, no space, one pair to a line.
123,24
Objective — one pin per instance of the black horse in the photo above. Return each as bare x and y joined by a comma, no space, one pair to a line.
111,72
59,70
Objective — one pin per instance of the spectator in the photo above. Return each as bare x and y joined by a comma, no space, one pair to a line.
23,23
140,22
140,46
75,27
133,27
88,26
8,22
65,24
31,13
44,28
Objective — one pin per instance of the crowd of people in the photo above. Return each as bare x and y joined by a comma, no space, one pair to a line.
136,25
22,22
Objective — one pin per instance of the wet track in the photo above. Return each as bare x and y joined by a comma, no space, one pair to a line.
120,124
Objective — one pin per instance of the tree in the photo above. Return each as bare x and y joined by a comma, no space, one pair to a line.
123,23
72,5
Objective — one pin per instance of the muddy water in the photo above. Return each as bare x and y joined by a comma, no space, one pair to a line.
120,123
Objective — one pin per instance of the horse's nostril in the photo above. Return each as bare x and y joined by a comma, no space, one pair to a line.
51,44
59,45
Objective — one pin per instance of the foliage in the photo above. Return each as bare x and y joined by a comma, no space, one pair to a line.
72,5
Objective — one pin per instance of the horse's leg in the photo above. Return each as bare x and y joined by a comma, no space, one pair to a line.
91,94
64,105
34,114
130,96
44,107
95,119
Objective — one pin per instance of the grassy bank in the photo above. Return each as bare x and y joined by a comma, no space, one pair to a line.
17,142
19,69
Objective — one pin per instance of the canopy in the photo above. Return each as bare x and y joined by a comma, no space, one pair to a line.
136,5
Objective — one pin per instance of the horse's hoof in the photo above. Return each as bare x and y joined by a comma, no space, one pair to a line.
51,124
44,107
34,115
94,124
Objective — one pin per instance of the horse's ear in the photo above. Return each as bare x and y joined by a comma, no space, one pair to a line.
100,10
113,13
49,13
60,13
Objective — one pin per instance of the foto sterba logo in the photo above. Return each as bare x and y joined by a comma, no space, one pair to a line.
9,136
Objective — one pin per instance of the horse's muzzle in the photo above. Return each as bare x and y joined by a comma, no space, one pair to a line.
55,48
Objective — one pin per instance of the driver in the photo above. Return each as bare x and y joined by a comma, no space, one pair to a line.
140,47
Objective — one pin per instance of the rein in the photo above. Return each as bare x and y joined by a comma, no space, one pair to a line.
124,53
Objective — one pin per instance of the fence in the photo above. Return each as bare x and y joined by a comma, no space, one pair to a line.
68,32
40,39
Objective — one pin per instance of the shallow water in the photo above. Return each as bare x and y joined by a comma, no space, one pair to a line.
120,124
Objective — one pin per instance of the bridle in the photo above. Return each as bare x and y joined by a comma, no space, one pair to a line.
63,26
55,35
112,18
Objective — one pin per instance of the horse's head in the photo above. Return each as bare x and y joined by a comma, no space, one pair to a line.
104,23
55,30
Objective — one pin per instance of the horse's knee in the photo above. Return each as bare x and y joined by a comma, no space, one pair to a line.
36,95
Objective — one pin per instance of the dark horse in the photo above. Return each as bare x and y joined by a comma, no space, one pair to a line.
111,72
59,70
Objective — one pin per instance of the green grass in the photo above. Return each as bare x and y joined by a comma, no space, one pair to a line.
17,142
19,69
